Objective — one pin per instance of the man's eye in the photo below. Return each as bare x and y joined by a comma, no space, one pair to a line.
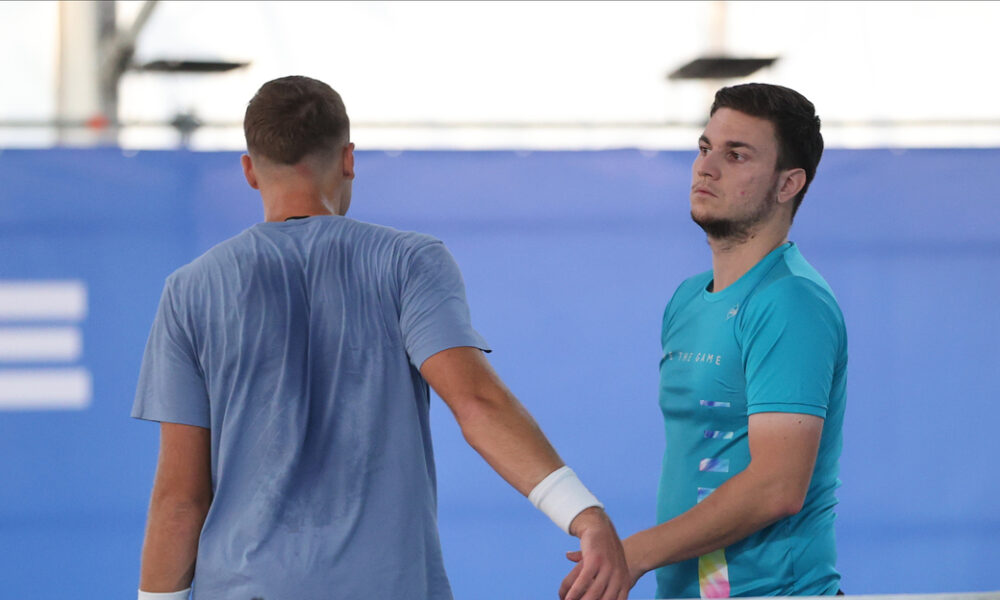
735,156
703,150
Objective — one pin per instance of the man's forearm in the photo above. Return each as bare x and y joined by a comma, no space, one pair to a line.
493,421
508,438
171,545
743,505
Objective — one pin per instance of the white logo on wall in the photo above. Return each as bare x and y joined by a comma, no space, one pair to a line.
40,344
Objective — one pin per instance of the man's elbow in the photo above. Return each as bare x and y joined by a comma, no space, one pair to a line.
482,415
787,501
474,417
780,493
787,508
181,506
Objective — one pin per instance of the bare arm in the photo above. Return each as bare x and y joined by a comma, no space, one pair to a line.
492,420
498,427
783,449
182,493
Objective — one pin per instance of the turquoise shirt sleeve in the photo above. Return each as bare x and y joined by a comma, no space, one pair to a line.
792,333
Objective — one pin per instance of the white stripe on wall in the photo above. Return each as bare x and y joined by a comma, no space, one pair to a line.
40,344
43,300
45,389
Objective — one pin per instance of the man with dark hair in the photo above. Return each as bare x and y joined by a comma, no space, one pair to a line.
289,369
796,125
753,373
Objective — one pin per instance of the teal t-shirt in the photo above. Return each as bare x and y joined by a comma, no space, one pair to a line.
773,341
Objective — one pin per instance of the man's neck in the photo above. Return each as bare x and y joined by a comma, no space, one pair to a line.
732,259
286,213
280,205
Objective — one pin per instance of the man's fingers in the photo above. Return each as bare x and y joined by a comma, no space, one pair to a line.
597,586
583,582
574,555
617,588
567,581
603,570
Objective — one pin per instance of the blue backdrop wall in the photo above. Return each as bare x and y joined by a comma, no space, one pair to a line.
569,259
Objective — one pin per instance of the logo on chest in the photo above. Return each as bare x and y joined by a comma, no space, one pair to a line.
694,357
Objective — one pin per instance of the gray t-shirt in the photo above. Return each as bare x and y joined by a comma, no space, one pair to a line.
298,345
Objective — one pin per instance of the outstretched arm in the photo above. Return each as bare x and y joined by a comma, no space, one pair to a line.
497,426
182,493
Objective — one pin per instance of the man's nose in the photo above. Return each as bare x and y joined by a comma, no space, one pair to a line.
705,166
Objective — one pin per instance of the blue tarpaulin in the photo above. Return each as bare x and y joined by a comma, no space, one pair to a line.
569,259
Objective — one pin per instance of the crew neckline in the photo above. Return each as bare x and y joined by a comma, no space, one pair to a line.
296,222
751,276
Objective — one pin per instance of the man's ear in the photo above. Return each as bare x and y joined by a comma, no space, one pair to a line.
792,183
347,160
248,171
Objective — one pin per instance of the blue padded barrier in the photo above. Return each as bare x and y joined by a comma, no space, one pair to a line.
569,259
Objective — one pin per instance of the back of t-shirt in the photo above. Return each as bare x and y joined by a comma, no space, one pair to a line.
298,345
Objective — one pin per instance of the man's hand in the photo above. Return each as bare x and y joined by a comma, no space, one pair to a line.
601,572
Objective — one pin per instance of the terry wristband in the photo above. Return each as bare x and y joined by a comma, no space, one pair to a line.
181,595
562,496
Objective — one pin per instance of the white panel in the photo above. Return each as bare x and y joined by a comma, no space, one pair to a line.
45,389
39,344
42,300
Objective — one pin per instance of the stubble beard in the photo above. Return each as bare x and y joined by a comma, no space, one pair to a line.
738,230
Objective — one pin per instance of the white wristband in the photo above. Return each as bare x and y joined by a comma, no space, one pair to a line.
181,595
562,496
